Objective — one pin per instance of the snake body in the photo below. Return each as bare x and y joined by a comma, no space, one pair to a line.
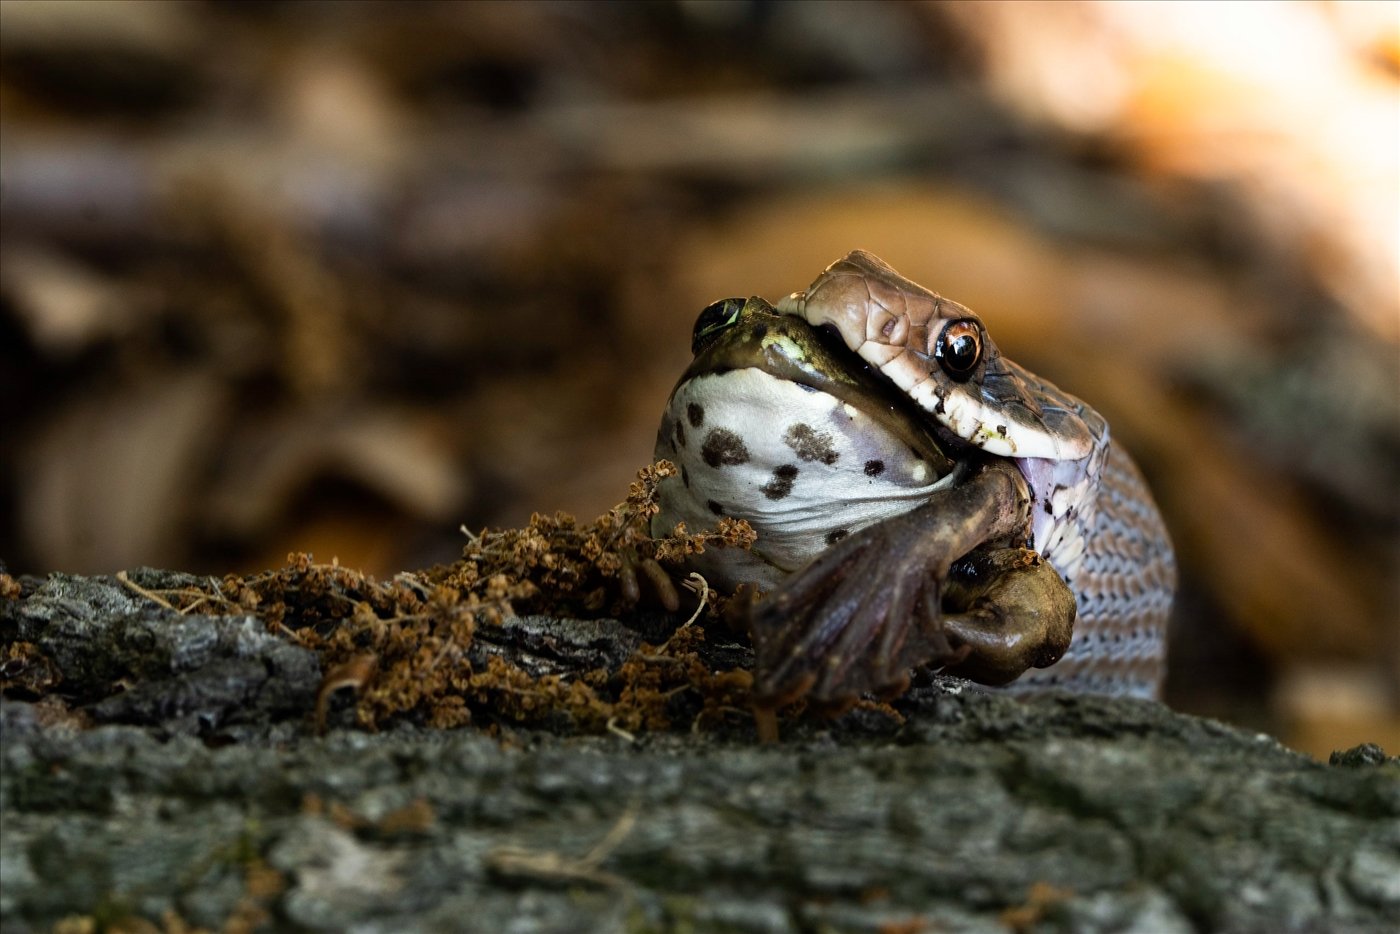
1093,517
1123,587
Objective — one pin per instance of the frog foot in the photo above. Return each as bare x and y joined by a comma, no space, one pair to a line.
854,621
659,583
868,609
1010,610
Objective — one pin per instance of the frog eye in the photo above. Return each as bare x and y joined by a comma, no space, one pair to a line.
959,349
713,319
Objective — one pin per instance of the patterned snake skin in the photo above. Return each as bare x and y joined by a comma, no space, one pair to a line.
1124,593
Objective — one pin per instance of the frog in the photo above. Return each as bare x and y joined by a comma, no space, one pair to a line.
773,424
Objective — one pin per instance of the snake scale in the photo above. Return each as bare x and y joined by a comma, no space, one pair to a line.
1123,588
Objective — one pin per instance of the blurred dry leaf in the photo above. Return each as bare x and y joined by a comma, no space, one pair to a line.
67,306
1267,98
399,455
109,481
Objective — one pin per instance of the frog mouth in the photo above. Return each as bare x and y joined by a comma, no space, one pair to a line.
817,360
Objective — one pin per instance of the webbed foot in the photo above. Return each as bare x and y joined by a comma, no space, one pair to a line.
854,621
867,610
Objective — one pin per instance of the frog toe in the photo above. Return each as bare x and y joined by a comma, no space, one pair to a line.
855,622
659,583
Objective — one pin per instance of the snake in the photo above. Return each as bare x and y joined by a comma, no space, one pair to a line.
920,500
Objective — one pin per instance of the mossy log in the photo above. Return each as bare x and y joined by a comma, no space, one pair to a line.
162,769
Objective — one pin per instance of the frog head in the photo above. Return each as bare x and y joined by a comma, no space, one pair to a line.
776,422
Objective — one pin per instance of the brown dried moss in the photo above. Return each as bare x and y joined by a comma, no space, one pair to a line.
405,645
27,671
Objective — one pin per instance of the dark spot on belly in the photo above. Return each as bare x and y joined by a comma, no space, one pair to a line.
835,536
874,468
685,477
781,484
1001,430
724,447
680,436
715,507
810,444
696,414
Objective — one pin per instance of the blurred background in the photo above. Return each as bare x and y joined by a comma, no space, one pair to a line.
342,276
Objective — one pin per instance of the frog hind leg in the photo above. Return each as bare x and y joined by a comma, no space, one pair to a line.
867,610
853,630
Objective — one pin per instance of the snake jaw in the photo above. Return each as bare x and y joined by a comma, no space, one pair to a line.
794,304
893,324
844,305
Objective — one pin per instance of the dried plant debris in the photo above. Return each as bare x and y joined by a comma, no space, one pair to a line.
533,626
25,670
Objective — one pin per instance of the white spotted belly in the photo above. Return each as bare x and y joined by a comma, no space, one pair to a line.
804,468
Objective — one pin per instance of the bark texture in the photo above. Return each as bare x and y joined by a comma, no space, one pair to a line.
201,794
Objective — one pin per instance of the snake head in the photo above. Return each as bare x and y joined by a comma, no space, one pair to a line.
939,353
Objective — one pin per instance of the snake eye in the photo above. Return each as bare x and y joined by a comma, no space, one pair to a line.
959,349
712,320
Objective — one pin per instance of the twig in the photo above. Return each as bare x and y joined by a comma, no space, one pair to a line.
548,864
619,731
692,582
720,709
613,838
149,595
